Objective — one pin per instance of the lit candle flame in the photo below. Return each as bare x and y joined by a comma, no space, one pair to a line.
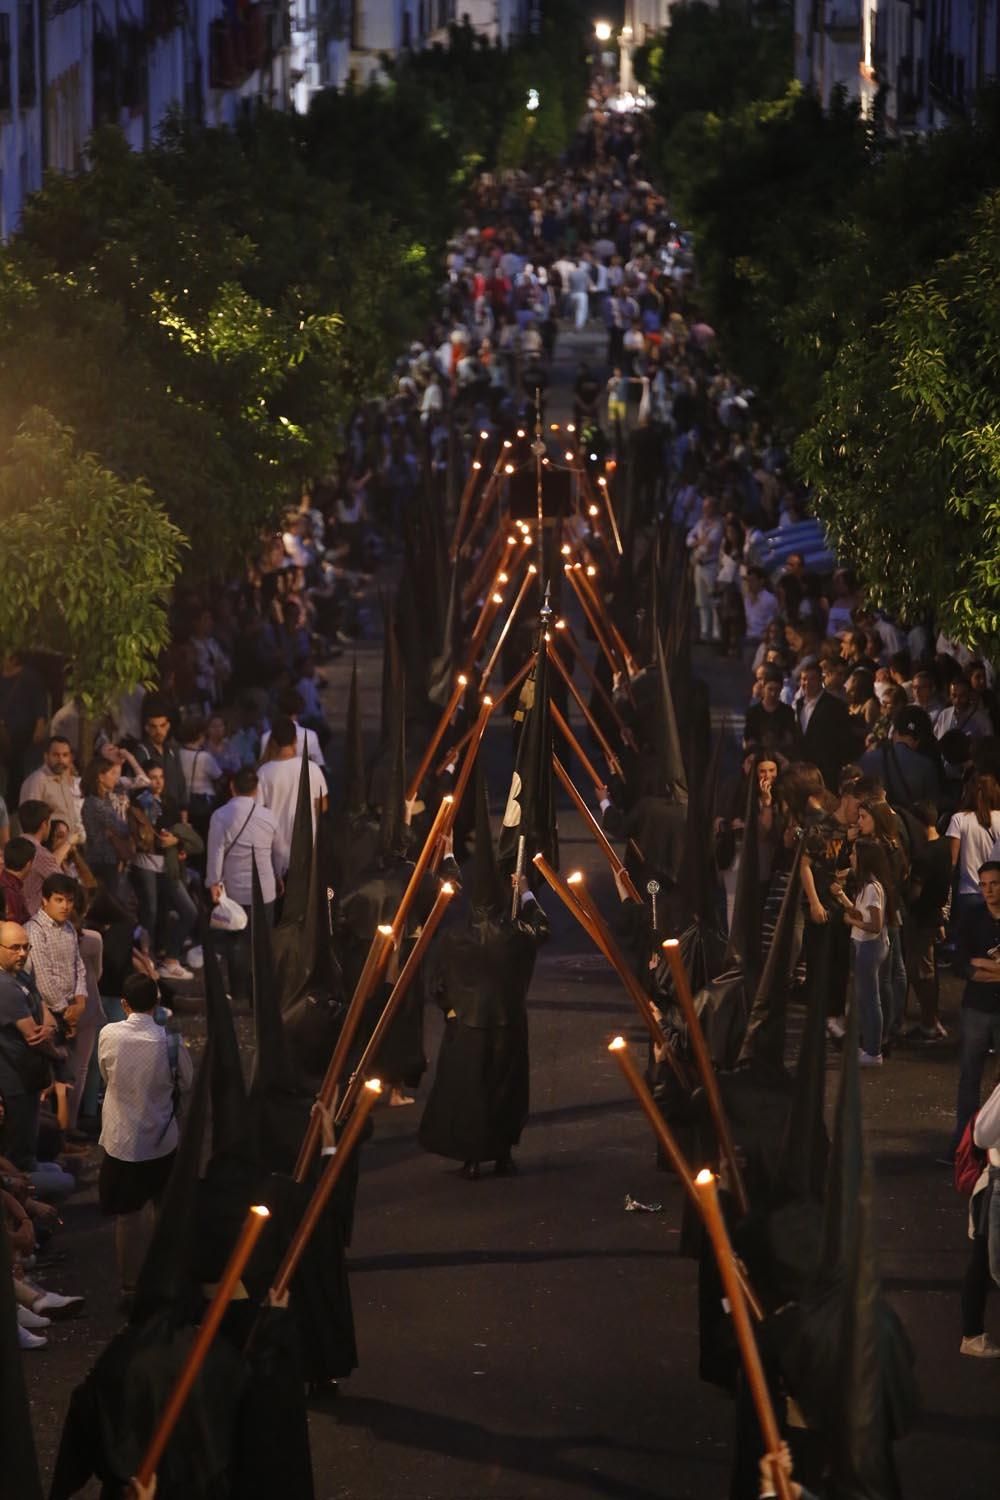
617,1045
373,1085
704,1177
261,1210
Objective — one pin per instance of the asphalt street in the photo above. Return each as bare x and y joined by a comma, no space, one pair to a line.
526,1338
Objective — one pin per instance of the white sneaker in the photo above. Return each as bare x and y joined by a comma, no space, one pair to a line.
58,1306
28,1340
32,1320
980,1347
172,968
194,958
866,1060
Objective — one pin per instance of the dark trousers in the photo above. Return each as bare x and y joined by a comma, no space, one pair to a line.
22,1130
233,949
976,1288
979,1031
919,956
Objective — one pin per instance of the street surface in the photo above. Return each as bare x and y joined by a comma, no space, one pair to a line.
526,1338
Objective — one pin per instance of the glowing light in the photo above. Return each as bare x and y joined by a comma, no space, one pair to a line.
508,468
593,511
569,457
261,1211
618,1045
602,31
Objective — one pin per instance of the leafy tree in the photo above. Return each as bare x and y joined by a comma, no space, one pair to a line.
904,450
96,559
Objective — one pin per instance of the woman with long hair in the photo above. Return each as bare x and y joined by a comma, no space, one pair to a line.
869,916
972,832
876,820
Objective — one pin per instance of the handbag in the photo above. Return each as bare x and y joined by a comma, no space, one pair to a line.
141,830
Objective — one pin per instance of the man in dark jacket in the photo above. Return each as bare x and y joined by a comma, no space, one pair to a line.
825,726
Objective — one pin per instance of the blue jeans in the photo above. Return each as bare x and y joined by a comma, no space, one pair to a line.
892,982
160,898
867,960
979,1030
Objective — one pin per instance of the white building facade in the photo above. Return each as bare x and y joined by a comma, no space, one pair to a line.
70,66
920,65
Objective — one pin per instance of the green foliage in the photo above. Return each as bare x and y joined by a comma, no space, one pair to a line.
91,560
904,447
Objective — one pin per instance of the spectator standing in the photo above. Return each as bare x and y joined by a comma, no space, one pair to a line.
972,836
963,713
35,819
157,743
291,704
159,885
824,725
908,775
704,541
977,961
18,856
240,834
278,780
58,969
868,916
984,1233
202,773
928,909
27,1039
56,783
146,1073
109,846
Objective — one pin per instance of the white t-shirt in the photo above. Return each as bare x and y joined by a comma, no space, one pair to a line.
201,771
307,736
871,895
278,789
975,847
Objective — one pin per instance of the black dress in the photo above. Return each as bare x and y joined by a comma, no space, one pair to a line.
479,976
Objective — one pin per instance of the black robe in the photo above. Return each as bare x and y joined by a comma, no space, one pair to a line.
479,976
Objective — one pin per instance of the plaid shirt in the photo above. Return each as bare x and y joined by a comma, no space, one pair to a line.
55,961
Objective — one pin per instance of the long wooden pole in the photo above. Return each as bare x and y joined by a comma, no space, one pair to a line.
484,681
598,934
479,729
570,569
321,1193
580,655
576,747
587,576
486,617
399,989
236,1265
619,1049
461,682
468,491
706,1071
617,866
598,733
514,683
736,1295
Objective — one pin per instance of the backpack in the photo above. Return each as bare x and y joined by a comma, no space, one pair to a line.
970,1161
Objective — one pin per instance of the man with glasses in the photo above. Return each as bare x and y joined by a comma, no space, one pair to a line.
27,1036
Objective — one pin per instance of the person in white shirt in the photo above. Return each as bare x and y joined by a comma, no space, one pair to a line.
307,737
963,713
278,782
868,917
760,606
146,1074
241,834
703,541
56,783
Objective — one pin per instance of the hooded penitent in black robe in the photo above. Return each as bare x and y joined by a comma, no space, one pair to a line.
479,975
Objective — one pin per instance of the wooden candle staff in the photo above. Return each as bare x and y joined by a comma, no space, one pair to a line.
587,576
461,682
455,800
451,757
395,1000
735,1288
616,665
484,681
706,1071
600,837
468,490
597,685
321,1193
574,744
596,730
236,1265
619,1049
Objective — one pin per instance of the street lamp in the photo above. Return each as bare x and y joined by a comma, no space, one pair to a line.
602,31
